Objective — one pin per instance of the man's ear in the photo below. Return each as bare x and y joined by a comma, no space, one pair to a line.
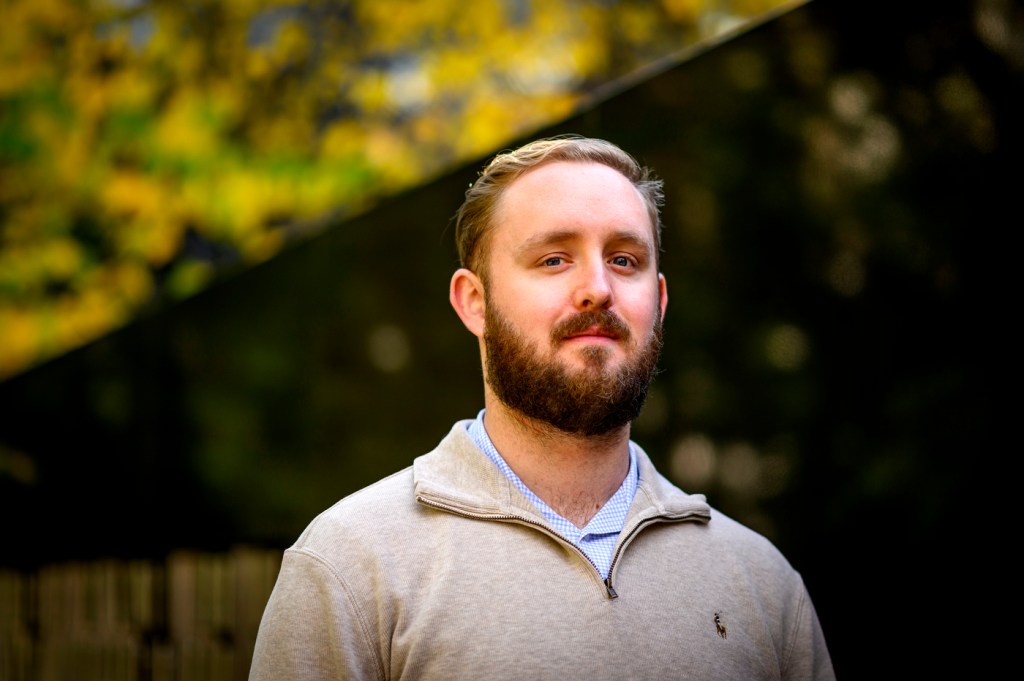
662,294
466,295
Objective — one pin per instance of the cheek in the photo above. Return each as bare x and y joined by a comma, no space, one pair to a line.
535,320
529,305
641,308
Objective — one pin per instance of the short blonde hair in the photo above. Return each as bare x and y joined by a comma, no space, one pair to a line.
474,219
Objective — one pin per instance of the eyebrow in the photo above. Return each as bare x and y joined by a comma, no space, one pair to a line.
560,236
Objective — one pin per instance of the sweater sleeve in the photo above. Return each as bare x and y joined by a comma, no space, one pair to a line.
807,656
311,628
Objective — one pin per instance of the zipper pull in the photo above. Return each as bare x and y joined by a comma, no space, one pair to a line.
612,593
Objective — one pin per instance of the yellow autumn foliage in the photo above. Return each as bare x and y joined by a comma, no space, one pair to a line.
127,129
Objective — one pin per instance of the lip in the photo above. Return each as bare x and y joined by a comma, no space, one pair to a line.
593,334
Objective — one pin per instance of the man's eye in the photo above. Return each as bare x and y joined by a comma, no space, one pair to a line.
553,261
621,261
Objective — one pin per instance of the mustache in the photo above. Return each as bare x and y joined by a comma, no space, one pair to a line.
605,321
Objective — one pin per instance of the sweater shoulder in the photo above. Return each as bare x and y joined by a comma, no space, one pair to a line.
748,547
370,514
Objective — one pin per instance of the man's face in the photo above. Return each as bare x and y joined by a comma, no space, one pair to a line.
573,298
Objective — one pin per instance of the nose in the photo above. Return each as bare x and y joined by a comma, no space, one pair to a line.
593,288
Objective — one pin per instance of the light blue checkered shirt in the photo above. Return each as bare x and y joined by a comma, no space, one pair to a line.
598,538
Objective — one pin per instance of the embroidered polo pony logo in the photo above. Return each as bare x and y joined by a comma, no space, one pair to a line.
720,627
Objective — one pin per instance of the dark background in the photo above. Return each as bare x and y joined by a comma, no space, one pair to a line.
838,188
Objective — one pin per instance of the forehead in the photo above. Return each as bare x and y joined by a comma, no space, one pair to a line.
571,197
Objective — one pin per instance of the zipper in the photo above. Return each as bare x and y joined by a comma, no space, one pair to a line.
622,546
526,521
607,582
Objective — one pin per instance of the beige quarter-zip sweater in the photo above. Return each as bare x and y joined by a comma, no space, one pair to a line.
446,571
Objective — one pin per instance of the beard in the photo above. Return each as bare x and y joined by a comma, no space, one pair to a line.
591,401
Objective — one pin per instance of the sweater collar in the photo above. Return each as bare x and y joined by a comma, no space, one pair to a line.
458,476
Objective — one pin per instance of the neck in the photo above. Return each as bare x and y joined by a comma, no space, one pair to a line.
573,474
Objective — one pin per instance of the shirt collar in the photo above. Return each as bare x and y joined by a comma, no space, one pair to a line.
611,517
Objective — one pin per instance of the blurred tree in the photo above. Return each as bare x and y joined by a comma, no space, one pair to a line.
147,147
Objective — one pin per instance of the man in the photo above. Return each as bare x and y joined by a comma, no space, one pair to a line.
537,541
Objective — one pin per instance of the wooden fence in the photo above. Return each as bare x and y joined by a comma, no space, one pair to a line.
192,617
